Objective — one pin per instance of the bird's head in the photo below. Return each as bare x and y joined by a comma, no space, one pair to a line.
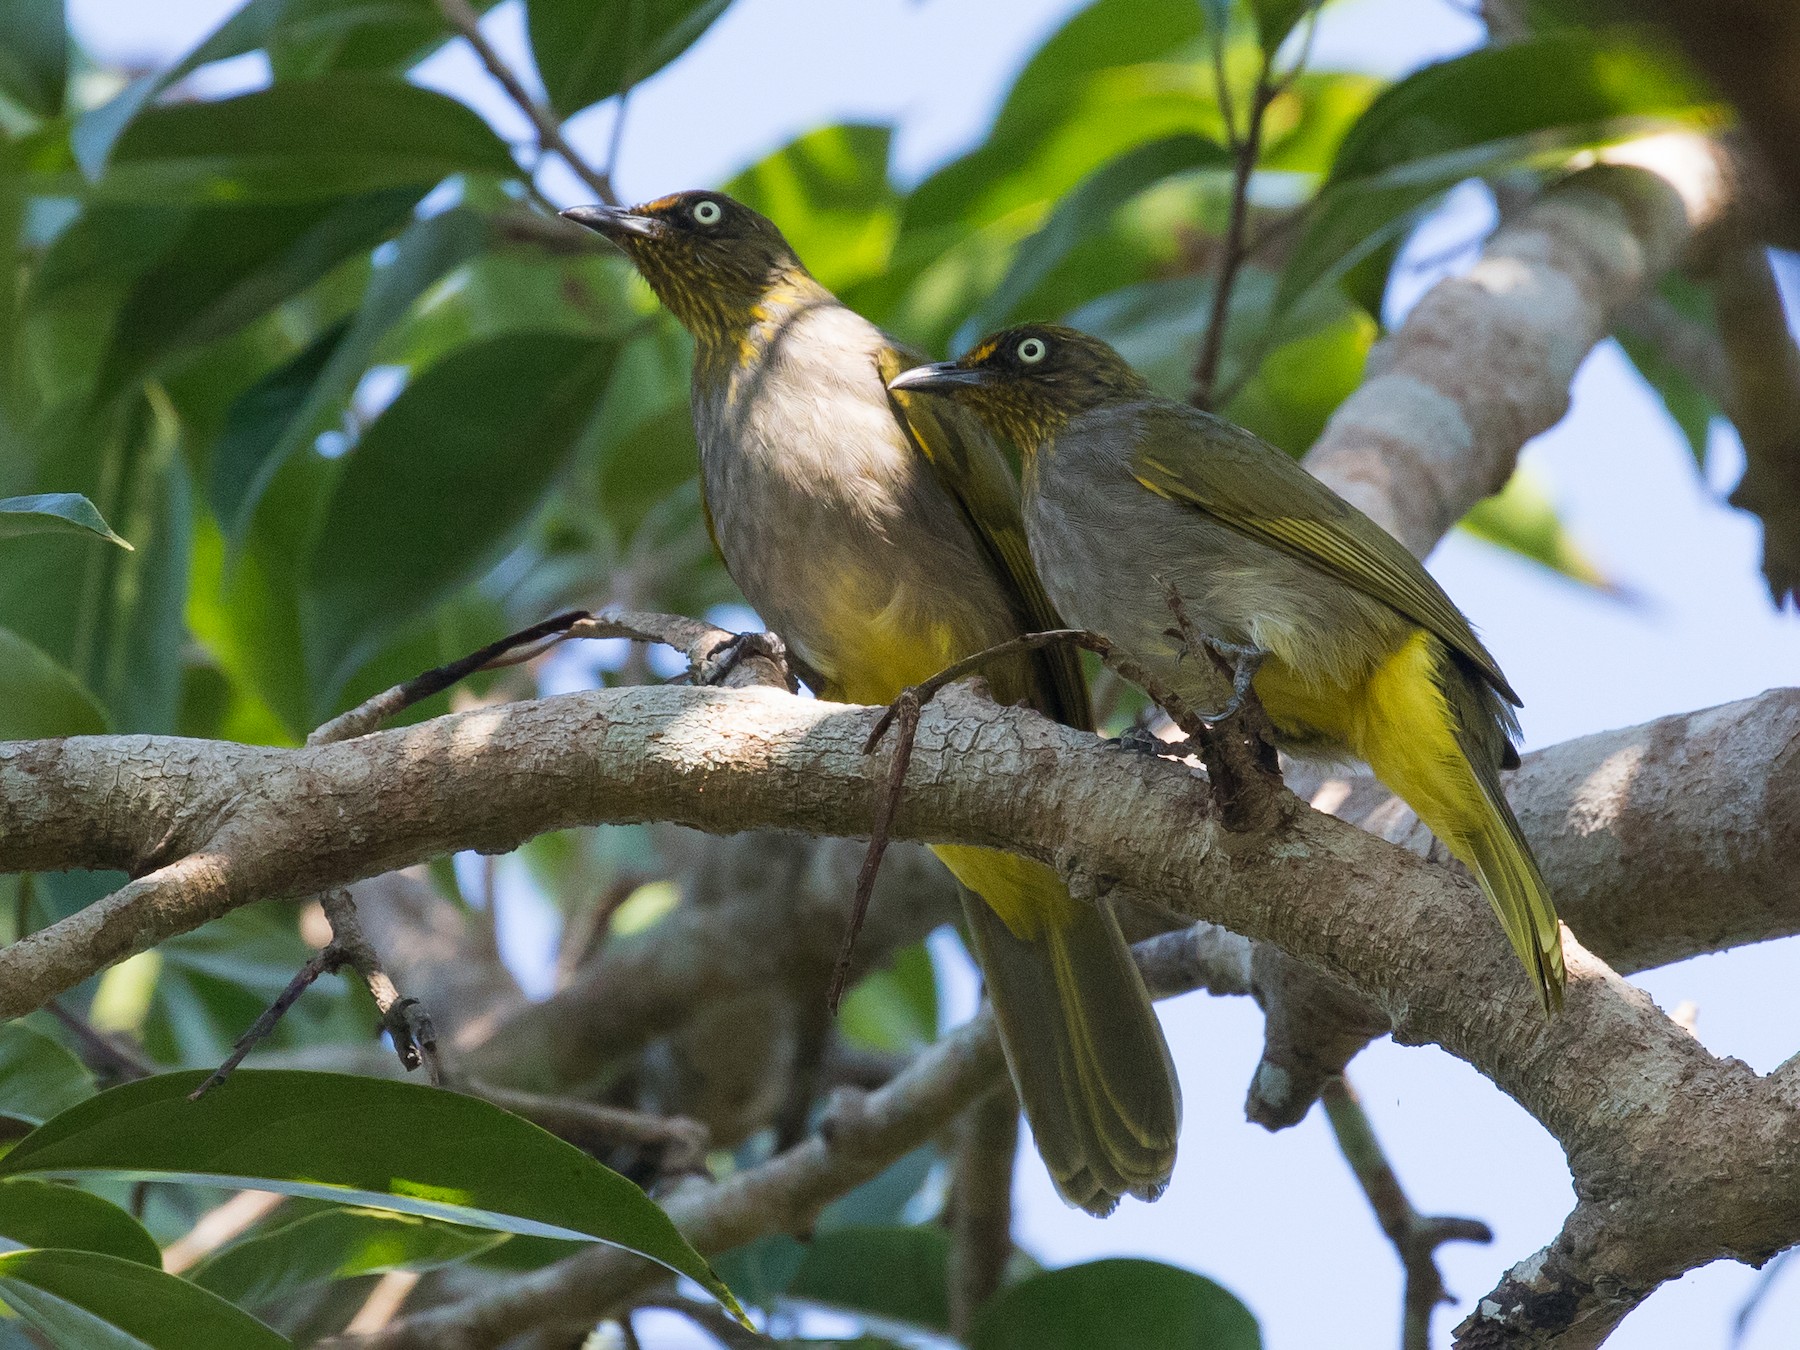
1025,383
711,260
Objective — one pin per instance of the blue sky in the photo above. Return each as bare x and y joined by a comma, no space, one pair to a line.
1277,1218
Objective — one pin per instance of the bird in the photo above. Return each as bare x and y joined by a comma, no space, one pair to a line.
879,533
1137,506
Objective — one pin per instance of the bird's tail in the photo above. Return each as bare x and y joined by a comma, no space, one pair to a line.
1436,736
1085,1050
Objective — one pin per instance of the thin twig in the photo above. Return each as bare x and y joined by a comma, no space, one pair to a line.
594,1127
1248,149
324,963
462,17
982,1205
371,713
124,1060
404,1019
1416,1237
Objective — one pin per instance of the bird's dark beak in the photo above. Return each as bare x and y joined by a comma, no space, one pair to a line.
944,375
614,221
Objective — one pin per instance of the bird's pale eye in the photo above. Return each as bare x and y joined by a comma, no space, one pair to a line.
1032,350
708,212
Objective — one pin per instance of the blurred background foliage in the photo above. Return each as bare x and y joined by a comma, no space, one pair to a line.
324,357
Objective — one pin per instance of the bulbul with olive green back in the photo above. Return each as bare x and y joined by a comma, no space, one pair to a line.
1363,656
879,533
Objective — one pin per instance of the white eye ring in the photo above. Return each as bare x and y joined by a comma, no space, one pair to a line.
1032,350
708,212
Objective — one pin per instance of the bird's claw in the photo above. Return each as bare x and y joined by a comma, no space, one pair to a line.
725,658
1137,741
1245,661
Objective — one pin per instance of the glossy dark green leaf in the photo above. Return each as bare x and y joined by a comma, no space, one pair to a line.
588,50
54,513
441,484
895,1273
336,1244
105,1303
274,419
1083,213
34,54
229,265
40,698
1525,102
44,1214
309,139
1116,1305
38,1078
437,1154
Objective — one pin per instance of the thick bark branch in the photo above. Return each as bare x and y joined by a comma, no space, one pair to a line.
1484,362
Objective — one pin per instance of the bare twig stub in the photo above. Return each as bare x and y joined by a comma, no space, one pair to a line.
1416,1237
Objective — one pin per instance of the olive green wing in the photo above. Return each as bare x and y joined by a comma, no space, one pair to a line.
1237,478
971,468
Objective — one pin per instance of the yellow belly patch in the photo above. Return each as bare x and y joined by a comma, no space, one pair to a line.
1025,894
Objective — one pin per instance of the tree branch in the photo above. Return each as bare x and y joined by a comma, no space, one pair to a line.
462,17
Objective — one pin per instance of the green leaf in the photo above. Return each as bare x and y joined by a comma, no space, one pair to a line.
896,1273
831,194
44,1214
589,50
228,265
301,141
54,513
1535,101
39,698
1083,213
335,1244
34,54
105,1303
1275,19
441,484
1522,519
436,1154
278,415
895,1007
38,1078
1116,1305
1090,92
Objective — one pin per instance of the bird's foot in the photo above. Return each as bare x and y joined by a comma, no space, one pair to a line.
728,655
1136,741
1243,660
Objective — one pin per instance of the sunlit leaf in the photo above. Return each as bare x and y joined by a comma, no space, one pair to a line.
1535,101
1116,1305
1081,214
45,1214
106,1303
303,140
830,194
335,1244
437,1154
588,50
1522,518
